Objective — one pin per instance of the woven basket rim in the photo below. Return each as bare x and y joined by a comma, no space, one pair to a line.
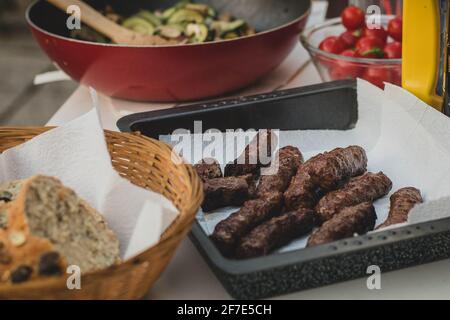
180,224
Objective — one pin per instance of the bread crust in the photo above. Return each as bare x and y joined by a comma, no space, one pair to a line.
19,248
25,254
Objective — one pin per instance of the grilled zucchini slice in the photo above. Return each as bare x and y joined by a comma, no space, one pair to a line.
198,32
185,15
139,24
150,17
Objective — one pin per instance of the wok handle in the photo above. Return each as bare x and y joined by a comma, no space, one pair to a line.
94,19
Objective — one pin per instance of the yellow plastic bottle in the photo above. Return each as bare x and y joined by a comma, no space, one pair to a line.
425,42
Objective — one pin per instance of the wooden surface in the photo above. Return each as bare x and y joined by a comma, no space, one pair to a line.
22,103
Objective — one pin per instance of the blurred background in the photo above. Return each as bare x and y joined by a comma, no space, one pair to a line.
21,102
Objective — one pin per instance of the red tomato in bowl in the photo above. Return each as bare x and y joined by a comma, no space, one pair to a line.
353,18
393,50
377,76
395,29
332,45
349,38
368,47
380,33
342,69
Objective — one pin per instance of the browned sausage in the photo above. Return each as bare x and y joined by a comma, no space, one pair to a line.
358,219
367,187
229,231
227,191
402,201
287,160
275,233
330,169
324,172
301,192
250,161
208,168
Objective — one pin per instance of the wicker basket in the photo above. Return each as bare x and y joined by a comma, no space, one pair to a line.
146,163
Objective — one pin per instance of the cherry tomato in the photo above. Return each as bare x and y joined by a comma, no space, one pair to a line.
370,47
377,75
332,44
376,33
393,50
346,69
353,18
395,29
349,38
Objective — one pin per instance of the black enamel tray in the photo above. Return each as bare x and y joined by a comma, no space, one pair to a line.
325,106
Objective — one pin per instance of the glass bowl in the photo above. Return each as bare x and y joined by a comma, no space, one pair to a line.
336,67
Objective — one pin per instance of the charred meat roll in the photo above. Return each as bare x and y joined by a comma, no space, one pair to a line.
367,187
287,160
301,192
229,231
324,172
358,219
402,201
275,233
208,168
330,170
254,155
227,191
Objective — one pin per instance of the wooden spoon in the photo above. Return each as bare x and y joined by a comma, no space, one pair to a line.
112,30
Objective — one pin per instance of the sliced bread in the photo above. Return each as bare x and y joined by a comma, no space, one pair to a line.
46,226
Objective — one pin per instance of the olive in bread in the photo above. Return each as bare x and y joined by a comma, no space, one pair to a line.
46,227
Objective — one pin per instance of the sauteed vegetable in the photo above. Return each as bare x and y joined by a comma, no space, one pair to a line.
186,22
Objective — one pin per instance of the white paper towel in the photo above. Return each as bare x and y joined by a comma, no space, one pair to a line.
427,157
76,153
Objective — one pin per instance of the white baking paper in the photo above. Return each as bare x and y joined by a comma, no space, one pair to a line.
403,137
76,153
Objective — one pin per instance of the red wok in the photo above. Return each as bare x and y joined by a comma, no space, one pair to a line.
179,72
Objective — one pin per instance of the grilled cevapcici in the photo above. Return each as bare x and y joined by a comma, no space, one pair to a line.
330,170
358,219
302,192
331,191
228,232
324,172
208,168
227,191
255,155
287,161
402,201
365,188
276,232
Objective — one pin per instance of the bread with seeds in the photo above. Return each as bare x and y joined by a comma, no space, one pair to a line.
45,226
